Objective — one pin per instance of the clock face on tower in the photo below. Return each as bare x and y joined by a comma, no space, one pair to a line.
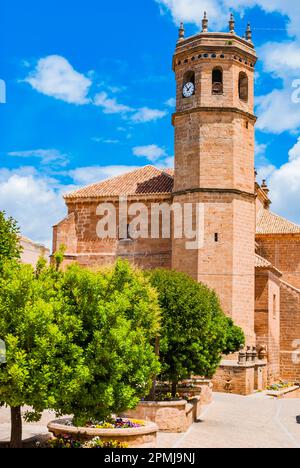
188,90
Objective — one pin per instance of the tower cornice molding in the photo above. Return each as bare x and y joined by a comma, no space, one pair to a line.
195,110
220,191
218,48
216,35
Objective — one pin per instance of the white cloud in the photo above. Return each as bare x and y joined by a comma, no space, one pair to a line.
49,156
171,102
110,105
36,201
260,149
167,163
94,174
106,141
54,76
191,11
284,184
32,201
264,172
277,112
145,114
281,59
151,152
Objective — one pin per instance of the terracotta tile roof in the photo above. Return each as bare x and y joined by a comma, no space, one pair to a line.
262,263
270,223
147,180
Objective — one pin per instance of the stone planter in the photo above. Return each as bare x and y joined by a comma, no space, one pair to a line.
169,416
289,392
206,387
141,437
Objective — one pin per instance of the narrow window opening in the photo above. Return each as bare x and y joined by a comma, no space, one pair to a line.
216,237
217,81
128,237
243,86
189,77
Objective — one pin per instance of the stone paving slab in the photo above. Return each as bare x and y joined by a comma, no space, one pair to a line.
246,422
231,421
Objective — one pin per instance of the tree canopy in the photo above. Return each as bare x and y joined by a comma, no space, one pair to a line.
77,342
194,330
9,240
119,315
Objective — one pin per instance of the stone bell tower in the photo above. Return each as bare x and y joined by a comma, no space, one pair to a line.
214,163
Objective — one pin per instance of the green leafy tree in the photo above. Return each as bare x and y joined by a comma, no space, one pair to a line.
10,248
43,364
194,332
120,318
78,342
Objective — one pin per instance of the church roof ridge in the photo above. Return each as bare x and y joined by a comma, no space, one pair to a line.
146,180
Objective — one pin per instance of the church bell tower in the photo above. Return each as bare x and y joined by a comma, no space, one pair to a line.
214,163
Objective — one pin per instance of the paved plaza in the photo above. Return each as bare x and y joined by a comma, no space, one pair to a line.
231,421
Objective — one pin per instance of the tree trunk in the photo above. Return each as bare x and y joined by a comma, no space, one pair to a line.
174,388
153,389
16,427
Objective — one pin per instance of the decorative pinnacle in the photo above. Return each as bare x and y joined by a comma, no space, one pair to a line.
265,187
231,24
249,33
181,32
205,23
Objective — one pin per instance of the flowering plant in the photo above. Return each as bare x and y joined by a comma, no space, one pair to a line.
97,443
118,423
65,442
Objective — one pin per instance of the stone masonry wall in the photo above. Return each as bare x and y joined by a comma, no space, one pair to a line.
225,263
267,319
290,333
79,233
283,251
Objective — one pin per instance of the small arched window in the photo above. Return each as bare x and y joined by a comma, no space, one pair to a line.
243,86
189,77
217,81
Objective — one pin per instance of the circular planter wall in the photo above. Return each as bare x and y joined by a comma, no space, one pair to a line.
169,416
141,437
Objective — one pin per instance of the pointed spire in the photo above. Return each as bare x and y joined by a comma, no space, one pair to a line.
181,32
249,33
232,24
205,23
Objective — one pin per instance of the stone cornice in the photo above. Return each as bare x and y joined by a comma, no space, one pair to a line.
216,35
214,191
234,110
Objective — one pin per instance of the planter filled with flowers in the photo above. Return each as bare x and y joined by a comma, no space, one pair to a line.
117,433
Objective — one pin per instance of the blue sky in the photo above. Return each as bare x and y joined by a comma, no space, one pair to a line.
90,93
